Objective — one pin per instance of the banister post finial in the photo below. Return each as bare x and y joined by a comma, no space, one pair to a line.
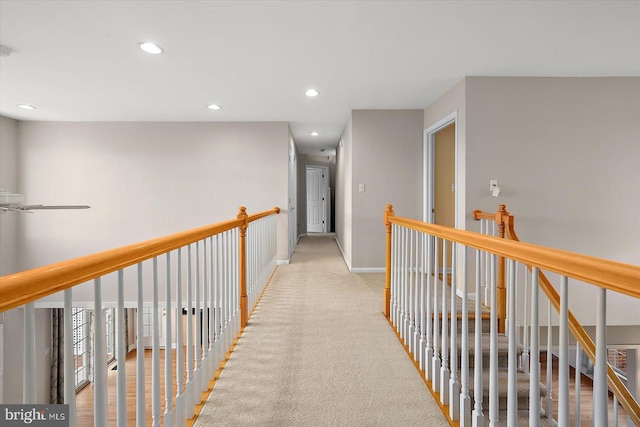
244,313
388,213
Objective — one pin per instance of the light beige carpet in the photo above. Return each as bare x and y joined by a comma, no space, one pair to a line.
319,352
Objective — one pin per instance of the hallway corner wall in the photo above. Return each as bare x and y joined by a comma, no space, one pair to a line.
343,193
384,160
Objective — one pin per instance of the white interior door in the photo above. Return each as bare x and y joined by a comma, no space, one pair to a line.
315,200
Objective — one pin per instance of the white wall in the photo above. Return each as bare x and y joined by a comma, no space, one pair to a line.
12,320
344,172
9,182
565,152
143,180
386,146
382,150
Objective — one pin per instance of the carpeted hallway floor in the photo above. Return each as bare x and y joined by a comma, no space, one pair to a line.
319,352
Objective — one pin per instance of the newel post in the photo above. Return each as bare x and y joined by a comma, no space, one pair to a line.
388,213
243,266
502,290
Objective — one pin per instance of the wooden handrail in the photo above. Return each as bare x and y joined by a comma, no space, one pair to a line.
615,276
259,215
28,286
615,383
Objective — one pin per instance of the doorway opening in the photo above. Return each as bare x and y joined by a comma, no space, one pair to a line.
318,199
444,190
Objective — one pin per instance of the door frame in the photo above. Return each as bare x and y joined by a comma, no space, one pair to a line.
428,170
326,206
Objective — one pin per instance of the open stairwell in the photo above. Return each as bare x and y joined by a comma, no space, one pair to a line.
482,354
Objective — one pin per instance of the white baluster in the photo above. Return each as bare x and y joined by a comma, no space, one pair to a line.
212,308
204,360
155,355
405,287
563,354
141,404
465,398
235,288
444,368
512,385
69,361
197,375
477,416
417,306
534,375
29,370
219,302
399,318
615,411
99,360
549,400
225,287
180,386
578,383
423,310
487,268
189,387
236,273
410,293
121,358
493,346
435,361
394,268
600,393
225,303
169,412
398,314
526,315
454,385
232,287
228,295
428,373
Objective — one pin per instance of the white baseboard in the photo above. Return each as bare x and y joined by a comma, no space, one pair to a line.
368,270
344,258
282,262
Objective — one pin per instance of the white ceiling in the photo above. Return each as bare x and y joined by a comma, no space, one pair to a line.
79,60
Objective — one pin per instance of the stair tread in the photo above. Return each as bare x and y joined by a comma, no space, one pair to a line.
523,419
522,381
503,344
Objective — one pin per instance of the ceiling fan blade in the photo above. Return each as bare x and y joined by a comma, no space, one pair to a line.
42,207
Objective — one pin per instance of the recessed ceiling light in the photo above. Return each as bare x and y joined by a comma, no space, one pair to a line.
314,133
151,48
312,92
26,106
214,107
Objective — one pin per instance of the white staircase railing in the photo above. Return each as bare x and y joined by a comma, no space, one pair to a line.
204,280
500,380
